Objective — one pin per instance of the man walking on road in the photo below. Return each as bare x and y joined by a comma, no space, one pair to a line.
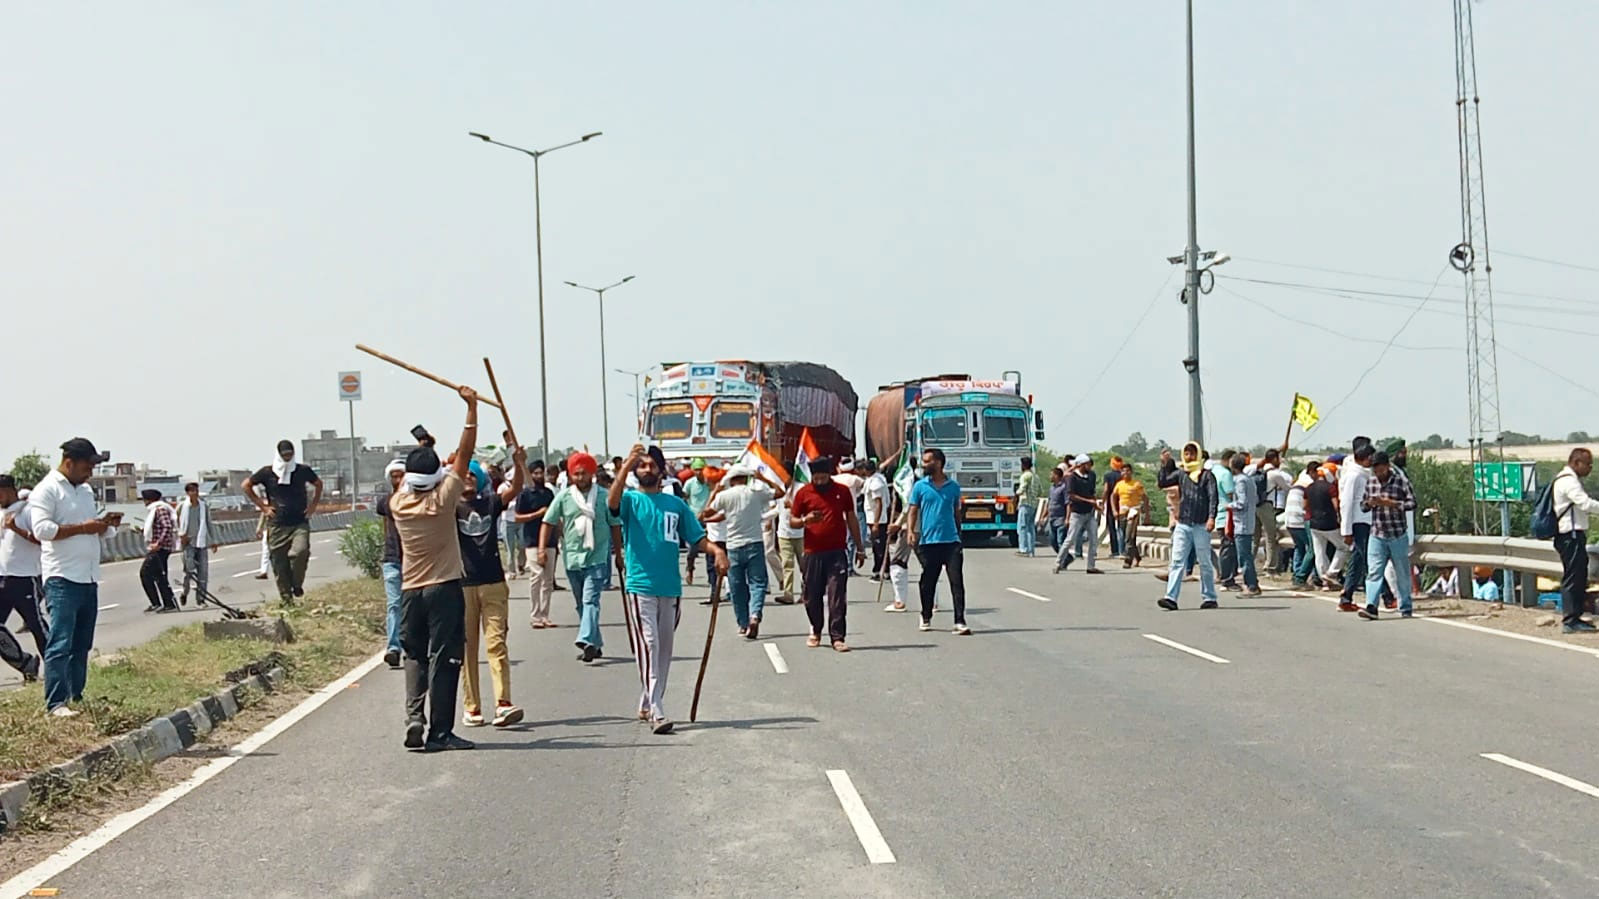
935,535
653,524
1572,506
1388,497
1058,503
876,501
391,564
486,597
1193,523
288,530
741,500
20,589
790,548
161,538
64,515
433,604
1084,505
1355,522
1244,518
194,533
1273,502
589,538
1026,500
827,513
697,491
531,505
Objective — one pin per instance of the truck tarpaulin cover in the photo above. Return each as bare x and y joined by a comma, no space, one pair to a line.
814,395
885,422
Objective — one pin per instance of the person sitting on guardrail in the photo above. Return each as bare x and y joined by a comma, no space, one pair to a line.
1572,506
1194,518
288,531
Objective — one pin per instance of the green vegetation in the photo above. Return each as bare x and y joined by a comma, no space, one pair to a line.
333,626
29,469
362,547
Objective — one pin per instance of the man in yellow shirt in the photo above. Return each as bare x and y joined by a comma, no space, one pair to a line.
1130,499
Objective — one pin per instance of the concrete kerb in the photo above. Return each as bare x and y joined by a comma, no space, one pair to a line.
162,738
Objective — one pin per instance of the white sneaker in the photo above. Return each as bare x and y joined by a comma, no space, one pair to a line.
925,625
472,719
895,607
62,711
962,630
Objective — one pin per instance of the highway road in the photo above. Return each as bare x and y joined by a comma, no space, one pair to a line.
1081,743
123,621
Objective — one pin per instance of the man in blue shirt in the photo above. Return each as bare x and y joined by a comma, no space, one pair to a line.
652,523
935,535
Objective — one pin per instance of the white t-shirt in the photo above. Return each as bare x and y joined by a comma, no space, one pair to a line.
877,492
19,557
784,508
744,506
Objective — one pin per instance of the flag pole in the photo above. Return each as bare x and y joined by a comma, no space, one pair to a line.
1292,407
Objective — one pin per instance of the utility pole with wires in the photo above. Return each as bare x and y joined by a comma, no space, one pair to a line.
1470,258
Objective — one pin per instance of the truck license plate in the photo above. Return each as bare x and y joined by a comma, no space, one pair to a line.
979,514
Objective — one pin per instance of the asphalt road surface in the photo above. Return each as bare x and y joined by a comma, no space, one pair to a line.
1270,748
123,621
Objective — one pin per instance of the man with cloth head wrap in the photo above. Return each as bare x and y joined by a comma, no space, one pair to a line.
590,536
1194,518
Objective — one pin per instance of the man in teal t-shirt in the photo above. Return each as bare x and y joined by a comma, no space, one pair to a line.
935,535
586,525
653,523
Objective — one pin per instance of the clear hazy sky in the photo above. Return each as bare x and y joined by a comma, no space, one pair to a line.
206,205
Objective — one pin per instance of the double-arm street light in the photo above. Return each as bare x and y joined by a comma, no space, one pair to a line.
538,242
605,405
638,395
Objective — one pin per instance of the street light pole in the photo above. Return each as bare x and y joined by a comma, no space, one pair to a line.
538,243
1196,411
605,397
638,398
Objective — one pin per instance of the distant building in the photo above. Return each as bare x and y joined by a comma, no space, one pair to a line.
115,482
329,454
224,481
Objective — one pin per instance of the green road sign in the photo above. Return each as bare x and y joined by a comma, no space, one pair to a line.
1500,482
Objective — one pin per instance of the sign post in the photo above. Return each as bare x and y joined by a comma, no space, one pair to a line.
349,392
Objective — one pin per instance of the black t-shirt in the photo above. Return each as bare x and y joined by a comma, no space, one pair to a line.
1083,485
477,520
391,536
1319,511
532,499
288,500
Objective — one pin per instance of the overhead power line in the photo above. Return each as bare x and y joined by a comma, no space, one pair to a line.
1581,268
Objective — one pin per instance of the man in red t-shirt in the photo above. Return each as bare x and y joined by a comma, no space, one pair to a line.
827,513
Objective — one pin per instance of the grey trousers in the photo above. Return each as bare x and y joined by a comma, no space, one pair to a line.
1083,526
196,568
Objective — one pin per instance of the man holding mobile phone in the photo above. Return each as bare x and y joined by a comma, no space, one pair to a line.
66,522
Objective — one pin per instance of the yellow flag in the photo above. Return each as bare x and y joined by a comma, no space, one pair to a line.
1305,412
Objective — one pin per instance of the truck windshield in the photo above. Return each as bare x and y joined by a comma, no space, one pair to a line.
944,427
733,420
1005,427
671,421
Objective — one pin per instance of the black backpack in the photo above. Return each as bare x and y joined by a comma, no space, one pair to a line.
1261,499
1545,523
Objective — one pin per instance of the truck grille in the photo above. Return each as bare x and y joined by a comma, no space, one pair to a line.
982,480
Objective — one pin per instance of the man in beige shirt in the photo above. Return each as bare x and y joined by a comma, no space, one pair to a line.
432,601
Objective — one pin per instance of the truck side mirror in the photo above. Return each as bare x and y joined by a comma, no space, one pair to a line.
1038,424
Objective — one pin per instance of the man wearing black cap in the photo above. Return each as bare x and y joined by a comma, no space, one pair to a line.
160,538
288,531
66,523
432,599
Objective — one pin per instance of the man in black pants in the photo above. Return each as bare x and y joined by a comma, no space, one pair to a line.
161,538
432,601
20,587
934,528
1355,522
827,513
1572,506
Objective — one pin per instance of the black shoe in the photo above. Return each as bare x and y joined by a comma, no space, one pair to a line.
154,608
392,658
299,591
448,743
170,607
413,735
1583,626
1369,613
1062,566
1166,603
1209,604
590,653
30,669
754,633
183,599
1406,615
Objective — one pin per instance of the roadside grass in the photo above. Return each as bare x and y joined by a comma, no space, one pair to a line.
334,626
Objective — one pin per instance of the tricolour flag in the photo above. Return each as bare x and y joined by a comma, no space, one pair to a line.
1305,412
756,457
802,459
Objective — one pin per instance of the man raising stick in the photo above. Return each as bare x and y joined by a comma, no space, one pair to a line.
652,522
432,601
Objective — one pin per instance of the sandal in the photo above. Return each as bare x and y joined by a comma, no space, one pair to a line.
813,640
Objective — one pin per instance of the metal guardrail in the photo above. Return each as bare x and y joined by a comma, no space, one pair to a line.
129,543
1529,559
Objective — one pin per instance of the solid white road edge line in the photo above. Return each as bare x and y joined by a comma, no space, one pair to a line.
82,847
1542,641
778,665
877,851
1020,592
1544,773
1188,649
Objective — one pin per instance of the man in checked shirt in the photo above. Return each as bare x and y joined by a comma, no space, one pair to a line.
161,539
1388,497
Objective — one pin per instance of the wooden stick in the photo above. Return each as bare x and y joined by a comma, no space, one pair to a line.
710,632
417,371
500,401
627,619
1290,432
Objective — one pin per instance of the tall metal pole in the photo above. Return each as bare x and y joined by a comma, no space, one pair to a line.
355,476
1196,413
605,396
544,375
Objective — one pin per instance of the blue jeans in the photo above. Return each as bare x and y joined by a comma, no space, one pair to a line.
1304,554
1245,546
1057,534
74,607
1379,552
586,584
1026,530
746,582
1185,539
391,590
